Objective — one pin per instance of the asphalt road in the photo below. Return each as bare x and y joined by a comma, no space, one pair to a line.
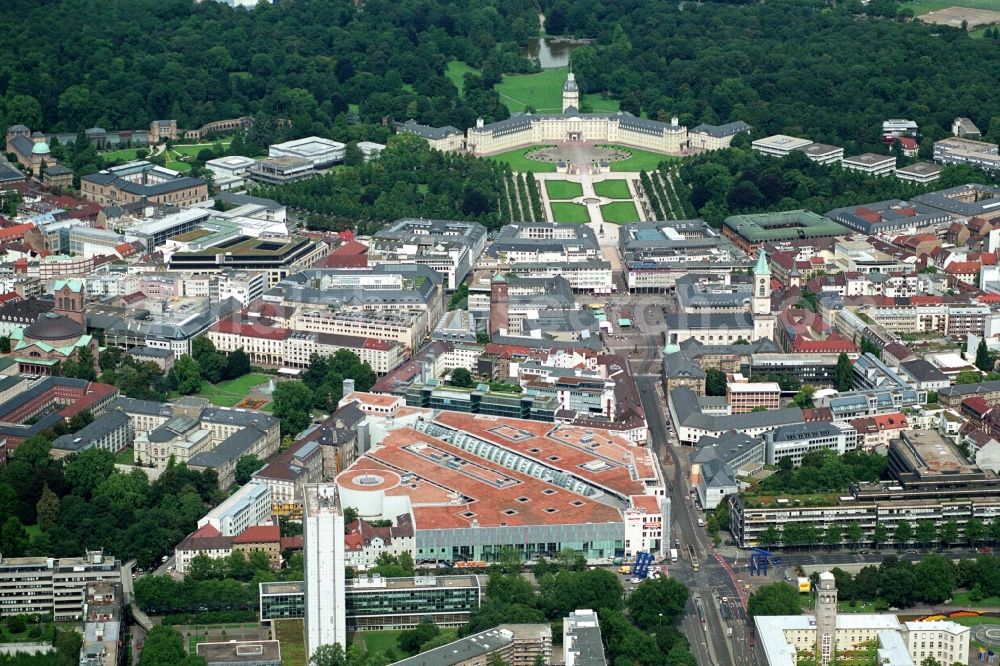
709,636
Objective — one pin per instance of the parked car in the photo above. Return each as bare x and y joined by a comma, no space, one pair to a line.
985,549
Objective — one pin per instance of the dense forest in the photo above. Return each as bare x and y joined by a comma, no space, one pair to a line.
120,65
828,71
409,179
831,74
740,180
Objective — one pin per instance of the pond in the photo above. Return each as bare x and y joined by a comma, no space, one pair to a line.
550,52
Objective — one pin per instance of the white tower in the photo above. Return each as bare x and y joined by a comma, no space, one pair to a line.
571,93
323,536
760,302
826,619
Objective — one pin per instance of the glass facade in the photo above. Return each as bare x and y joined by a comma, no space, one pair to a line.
394,603
595,540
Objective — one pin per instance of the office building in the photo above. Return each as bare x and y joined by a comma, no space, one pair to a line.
744,396
53,585
250,505
582,644
871,164
751,232
374,603
449,247
822,153
323,532
103,637
276,257
514,644
795,441
780,145
657,254
544,250
320,153
958,150
921,173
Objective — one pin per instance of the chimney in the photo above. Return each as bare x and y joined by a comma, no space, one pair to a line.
348,386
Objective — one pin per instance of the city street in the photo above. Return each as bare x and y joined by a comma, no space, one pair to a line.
713,581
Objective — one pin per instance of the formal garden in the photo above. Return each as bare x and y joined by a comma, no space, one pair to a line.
566,211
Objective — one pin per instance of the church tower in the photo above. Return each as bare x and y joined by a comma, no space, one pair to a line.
826,619
760,302
571,93
69,295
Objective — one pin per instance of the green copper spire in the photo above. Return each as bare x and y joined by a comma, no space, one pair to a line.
761,268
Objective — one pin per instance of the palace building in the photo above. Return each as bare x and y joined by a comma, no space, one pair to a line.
620,128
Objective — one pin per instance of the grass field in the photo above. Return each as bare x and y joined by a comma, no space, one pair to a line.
963,600
921,7
563,211
228,393
620,212
378,642
518,162
456,72
563,189
641,160
178,166
292,635
125,457
125,154
192,149
543,92
613,189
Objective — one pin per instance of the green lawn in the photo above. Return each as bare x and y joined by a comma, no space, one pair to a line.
620,212
33,530
292,635
921,7
518,162
456,72
178,166
613,189
48,632
563,189
963,600
563,211
126,456
640,160
228,393
125,154
192,149
378,641
543,92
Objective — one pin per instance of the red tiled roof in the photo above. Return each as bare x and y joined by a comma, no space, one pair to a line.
259,534
908,143
250,330
977,404
963,267
894,421
15,232
293,542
